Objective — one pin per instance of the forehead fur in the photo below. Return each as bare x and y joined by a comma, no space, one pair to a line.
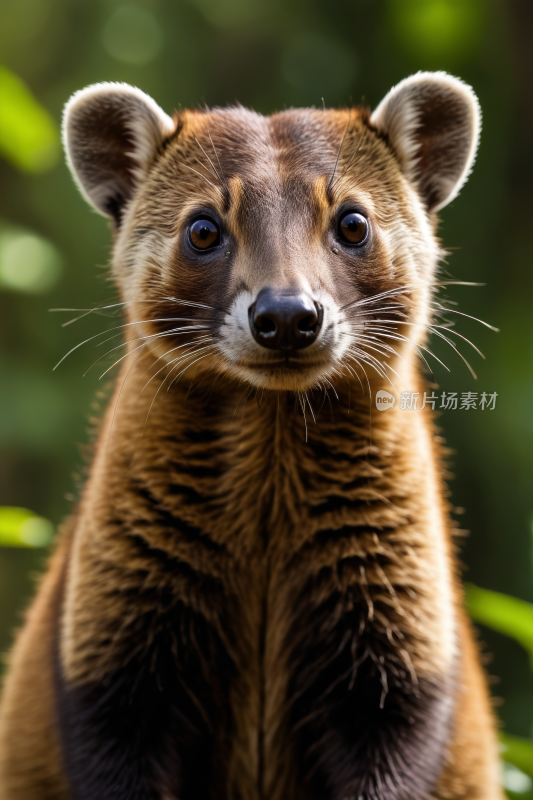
229,156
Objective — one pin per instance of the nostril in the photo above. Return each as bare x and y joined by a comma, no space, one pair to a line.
264,325
308,324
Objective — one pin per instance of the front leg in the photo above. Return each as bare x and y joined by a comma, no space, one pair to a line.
145,731
368,724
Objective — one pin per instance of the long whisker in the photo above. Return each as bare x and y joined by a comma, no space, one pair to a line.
194,304
328,187
166,365
88,311
190,365
354,373
185,356
157,392
310,407
158,336
389,293
371,361
218,160
379,367
396,307
302,405
213,166
351,161
383,332
203,165
462,314
456,333
402,338
184,328
433,329
126,325
441,335
202,176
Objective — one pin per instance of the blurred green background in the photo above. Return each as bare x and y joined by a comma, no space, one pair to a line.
267,54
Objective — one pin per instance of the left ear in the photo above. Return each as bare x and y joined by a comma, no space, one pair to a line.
432,122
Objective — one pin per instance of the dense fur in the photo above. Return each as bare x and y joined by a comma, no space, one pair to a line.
249,604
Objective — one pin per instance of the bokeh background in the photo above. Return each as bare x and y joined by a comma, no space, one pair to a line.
267,54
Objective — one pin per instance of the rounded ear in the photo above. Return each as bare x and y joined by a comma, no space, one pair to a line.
111,132
432,121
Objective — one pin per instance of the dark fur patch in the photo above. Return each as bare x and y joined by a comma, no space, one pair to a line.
364,726
149,728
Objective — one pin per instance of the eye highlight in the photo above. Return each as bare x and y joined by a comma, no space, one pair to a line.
204,234
353,228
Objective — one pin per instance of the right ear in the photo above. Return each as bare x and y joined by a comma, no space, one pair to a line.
111,132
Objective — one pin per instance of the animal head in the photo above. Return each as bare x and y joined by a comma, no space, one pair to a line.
281,250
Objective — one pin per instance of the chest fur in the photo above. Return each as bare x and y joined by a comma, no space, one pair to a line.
223,539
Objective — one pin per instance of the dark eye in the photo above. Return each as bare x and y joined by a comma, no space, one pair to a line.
204,233
353,228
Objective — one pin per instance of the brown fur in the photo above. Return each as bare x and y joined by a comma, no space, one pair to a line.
250,519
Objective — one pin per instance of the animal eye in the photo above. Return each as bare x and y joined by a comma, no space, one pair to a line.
353,228
204,233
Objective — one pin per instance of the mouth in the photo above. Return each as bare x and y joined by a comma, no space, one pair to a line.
284,371
287,362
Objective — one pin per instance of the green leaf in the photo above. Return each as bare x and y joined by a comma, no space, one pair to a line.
22,528
502,613
518,752
29,137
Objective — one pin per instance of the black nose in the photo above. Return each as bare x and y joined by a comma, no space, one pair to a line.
284,319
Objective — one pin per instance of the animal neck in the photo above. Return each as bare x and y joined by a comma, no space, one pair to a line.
268,451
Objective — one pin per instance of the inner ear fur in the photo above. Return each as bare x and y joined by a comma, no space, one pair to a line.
432,122
111,132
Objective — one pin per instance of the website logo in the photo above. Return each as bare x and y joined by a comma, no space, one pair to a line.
384,400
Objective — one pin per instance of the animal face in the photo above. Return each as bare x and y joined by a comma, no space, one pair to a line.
281,251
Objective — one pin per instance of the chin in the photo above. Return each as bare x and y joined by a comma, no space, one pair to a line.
284,375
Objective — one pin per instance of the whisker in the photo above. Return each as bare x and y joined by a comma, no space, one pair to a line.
333,388
302,405
190,347
441,335
159,389
310,407
194,304
203,165
354,373
183,164
218,160
400,337
205,154
431,327
462,314
389,293
88,311
184,357
328,187
126,325
351,161
136,348
184,329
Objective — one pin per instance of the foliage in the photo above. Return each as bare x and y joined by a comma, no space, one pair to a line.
513,617
28,133
22,528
